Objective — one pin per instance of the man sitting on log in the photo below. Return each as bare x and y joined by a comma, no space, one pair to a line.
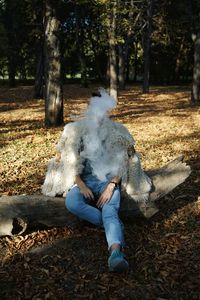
97,161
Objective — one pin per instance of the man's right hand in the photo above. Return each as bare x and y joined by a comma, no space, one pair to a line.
86,191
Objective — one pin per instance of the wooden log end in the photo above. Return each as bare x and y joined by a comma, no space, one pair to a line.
12,226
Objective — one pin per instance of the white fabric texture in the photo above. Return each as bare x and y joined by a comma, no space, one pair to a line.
105,143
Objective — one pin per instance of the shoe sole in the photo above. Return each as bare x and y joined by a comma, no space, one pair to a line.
122,266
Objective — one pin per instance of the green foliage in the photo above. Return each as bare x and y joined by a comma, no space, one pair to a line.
173,24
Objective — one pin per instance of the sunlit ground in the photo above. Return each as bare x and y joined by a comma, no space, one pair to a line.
162,254
163,124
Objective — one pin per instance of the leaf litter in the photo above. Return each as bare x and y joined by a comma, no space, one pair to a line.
61,263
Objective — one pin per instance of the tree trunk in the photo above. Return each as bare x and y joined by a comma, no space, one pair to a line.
11,71
19,212
178,62
39,76
53,86
135,62
12,47
80,47
123,61
124,48
121,66
84,81
127,68
39,50
147,46
196,71
113,51
96,57
108,71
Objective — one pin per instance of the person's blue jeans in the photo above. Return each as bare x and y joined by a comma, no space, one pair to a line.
107,216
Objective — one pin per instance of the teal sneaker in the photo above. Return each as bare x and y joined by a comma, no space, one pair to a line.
117,262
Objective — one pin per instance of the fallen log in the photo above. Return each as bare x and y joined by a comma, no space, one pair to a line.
17,213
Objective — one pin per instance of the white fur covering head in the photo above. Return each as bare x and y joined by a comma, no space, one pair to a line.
100,138
100,106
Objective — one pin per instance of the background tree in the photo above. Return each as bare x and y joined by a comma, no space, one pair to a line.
96,34
80,38
38,17
171,42
3,50
147,45
196,68
112,48
128,19
15,24
195,24
53,86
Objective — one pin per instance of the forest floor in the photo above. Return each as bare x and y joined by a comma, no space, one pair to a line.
62,263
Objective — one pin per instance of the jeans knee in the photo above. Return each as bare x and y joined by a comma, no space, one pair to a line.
71,204
109,211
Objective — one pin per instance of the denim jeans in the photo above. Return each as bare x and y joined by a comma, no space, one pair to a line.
107,216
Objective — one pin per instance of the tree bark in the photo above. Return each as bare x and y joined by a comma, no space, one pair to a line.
135,62
124,48
39,76
121,65
178,62
11,70
12,49
80,46
53,86
100,75
147,46
39,50
19,212
196,71
113,50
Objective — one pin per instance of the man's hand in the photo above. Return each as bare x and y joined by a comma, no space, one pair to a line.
106,195
87,193
84,189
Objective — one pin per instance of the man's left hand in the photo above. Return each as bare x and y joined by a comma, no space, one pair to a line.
106,195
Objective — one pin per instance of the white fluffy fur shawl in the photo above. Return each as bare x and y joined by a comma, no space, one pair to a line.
117,143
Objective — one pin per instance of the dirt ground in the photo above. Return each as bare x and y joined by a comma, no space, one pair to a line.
61,263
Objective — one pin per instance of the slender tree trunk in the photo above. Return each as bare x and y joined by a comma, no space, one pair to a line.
80,47
53,86
12,51
187,72
113,71
124,48
123,53
11,71
84,81
39,50
113,51
178,62
22,70
96,58
135,62
121,65
147,46
127,68
39,76
108,71
196,71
